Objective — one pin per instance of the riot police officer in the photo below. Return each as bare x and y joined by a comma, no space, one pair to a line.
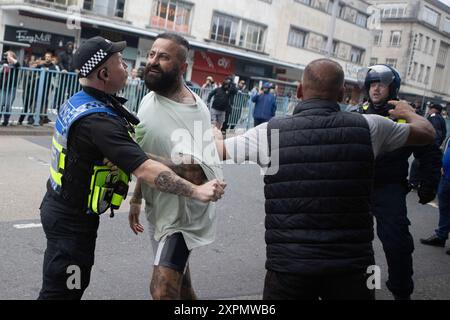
382,84
93,125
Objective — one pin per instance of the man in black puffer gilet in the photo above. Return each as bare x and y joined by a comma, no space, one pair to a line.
318,204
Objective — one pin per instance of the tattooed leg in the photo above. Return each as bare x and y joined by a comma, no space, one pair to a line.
166,284
187,292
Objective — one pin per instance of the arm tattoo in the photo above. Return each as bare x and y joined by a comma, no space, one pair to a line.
170,183
187,169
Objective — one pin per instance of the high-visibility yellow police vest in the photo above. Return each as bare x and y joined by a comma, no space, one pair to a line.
108,189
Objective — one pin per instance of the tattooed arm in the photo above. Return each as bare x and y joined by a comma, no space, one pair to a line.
186,167
161,177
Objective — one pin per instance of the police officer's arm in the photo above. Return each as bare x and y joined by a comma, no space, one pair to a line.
161,177
421,130
114,142
429,171
440,134
184,166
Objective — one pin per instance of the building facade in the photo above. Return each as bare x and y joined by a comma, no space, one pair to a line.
255,40
414,37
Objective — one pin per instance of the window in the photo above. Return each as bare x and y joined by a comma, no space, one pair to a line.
430,16
447,25
316,42
307,2
330,6
414,71
349,14
335,49
120,8
361,20
373,61
64,2
391,62
427,45
356,55
442,54
172,15
88,5
396,38
420,76
419,42
392,11
433,47
378,38
115,8
322,5
297,38
427,76
251,36
234,31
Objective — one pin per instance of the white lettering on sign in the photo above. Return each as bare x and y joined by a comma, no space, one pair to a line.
44,38
208,60
223,63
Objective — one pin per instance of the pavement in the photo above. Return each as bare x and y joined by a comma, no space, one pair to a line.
230,268
26,130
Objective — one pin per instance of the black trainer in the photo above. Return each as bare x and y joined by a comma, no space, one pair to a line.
434,241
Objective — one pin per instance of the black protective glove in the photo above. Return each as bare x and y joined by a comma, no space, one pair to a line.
426,194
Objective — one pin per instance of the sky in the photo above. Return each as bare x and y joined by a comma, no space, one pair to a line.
447,2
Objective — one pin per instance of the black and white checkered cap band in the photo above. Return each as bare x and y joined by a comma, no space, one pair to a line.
93,62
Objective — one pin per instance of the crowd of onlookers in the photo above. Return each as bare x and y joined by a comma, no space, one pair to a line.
226,100
57,85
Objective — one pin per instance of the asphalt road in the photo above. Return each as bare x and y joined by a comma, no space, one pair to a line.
231,268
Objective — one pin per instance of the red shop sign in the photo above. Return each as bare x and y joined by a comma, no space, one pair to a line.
213,63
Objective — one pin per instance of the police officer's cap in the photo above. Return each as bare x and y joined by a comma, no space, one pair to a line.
436,106
94,52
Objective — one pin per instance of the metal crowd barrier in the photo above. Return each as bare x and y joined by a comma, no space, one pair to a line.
30,95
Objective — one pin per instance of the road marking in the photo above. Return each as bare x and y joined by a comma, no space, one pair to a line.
28,226
41,162
434,205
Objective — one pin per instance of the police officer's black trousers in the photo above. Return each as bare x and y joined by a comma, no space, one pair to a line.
69,256
389,209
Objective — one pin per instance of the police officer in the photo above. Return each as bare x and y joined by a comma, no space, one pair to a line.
439,124
93,125
382,84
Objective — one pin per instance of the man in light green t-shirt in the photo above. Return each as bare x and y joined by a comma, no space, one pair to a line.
175,125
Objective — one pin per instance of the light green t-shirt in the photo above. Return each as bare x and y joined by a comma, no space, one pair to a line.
167,128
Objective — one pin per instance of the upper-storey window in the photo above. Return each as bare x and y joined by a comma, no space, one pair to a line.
238,32
430,16
172,15
115,8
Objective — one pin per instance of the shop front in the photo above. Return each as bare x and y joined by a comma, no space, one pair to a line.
218,66
130,54
33,42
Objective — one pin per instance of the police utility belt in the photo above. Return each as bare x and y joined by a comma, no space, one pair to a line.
108,189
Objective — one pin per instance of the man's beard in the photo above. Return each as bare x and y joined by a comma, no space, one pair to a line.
161,82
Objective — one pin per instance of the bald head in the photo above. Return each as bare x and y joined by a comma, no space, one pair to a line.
323,79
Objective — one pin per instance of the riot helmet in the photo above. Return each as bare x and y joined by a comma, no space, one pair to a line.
383,74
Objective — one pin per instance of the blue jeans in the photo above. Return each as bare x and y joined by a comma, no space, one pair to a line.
6,101
389,209
444,209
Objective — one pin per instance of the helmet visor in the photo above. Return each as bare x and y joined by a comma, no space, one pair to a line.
378,73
